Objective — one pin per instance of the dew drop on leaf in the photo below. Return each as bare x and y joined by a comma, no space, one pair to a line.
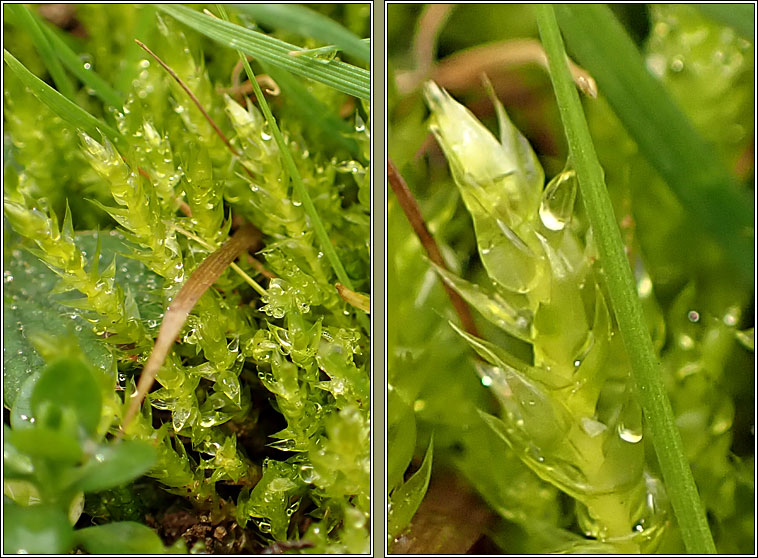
558,201
630,435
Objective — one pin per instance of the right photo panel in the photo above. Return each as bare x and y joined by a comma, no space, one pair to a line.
570,279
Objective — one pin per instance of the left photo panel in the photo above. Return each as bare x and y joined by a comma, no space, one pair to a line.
186,279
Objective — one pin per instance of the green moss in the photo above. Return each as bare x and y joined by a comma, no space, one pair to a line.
264,395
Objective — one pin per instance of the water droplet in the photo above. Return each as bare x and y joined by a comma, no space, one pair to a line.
732,316
686,342
419,405
629,435
644,286
306,473
693,316
486,381
558,201
677,64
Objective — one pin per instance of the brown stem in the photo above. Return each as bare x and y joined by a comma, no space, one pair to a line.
201,279
413,213
260,268
195,100
458,71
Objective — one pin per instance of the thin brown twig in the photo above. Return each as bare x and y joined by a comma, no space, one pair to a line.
430,24
413,213
195,100
458,71
260,268
201,279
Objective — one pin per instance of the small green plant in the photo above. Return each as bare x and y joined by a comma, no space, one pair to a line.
553,424
56,453
121,189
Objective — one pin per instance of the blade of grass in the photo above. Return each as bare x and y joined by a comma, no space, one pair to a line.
75,65
739,16
299,186
27,21
663,133
308,23
339,75
626,305
60,105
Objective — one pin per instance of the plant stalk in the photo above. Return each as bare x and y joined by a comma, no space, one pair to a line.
626,305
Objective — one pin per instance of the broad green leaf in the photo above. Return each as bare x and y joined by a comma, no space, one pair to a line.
343,77
15,463
21,412
60,105
663,133
29,307
113,465
405,500
68,384
308,23
123,537
46,443
38,529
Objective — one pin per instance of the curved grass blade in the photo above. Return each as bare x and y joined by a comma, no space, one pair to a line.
60,105
308,23
663,133
344,77
31,25
334,128
299,186
88,77
623,297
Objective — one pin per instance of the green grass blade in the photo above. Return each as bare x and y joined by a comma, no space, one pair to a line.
334,128
339,75
626,305
27,21
663,133
739,16
304,21
299,187
60,105
74,64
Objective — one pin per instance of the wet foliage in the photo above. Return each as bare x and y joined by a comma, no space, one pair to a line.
258,424
535,408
